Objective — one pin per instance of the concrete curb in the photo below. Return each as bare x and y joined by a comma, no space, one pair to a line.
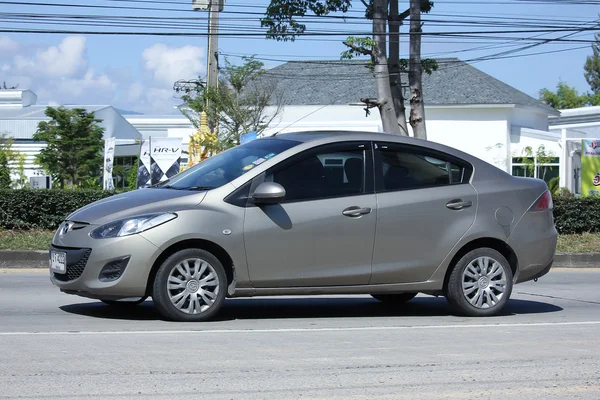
577,260
24,258
39,259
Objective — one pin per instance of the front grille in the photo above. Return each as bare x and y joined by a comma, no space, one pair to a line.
74,270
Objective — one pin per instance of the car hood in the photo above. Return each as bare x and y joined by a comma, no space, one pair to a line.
137,202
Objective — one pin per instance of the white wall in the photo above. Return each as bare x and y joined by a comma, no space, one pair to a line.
481,132
529,118
301,118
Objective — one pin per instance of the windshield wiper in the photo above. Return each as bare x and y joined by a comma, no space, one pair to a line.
198,188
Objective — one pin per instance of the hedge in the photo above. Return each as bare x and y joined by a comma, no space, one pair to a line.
43,209
46,209
577,214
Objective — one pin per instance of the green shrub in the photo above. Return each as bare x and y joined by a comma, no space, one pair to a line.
576,214
46,209
43,209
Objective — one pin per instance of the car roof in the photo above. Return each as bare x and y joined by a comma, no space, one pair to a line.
307,136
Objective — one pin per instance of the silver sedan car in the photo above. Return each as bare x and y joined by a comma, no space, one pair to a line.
313,213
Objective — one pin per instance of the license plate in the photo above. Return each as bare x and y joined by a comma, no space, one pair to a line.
58,262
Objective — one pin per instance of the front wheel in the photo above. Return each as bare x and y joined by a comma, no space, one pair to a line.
190,286
480,283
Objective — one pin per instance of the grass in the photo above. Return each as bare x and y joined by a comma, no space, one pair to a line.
584,243
25,240
40,240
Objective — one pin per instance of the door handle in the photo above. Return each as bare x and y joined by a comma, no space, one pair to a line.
356,211
458,204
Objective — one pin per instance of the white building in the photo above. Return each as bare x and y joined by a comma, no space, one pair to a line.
572,126
20,116
464,107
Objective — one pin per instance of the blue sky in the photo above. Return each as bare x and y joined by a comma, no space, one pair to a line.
137,72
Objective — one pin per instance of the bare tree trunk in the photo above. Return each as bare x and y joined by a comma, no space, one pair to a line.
394,68
382,76
417,108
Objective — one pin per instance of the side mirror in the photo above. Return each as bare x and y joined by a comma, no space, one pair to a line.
268,193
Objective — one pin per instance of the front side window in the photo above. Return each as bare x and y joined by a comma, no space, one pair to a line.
332,171
229,165
403,168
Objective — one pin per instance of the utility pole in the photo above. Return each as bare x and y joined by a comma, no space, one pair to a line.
214,7
213,53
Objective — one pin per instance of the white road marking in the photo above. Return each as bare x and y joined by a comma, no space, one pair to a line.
297,330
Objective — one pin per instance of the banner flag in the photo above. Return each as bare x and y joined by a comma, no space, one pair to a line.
143,175
109,159
165,158
590,167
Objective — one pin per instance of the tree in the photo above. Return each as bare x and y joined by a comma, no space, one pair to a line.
74,145
592,67
7,154
281,20
241,103
384,100
567,97
4,172
417,107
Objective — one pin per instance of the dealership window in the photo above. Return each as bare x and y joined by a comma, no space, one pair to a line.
124,161
530,167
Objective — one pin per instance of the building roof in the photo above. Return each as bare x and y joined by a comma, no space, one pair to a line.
580,115
344,82
37,112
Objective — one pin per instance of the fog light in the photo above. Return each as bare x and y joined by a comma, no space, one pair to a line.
113,270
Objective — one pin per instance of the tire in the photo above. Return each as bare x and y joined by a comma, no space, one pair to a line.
119,303
395,298
187,299
484,294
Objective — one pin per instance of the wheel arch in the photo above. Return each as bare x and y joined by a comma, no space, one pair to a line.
203,244
492,243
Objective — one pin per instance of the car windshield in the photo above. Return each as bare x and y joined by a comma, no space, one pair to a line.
223,168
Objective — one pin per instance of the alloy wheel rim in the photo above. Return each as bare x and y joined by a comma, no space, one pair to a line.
193,286
484,282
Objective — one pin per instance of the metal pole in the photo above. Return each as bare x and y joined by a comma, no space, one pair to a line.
213,49
150,164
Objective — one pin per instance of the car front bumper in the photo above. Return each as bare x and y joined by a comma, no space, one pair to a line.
108,269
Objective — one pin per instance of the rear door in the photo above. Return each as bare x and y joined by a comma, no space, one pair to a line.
425,205
323,233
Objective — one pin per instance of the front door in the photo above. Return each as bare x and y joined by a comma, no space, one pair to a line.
323,233
425,205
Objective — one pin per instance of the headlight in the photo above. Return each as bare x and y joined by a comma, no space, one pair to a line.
131,226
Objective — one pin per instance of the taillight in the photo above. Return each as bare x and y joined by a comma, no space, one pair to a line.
543,203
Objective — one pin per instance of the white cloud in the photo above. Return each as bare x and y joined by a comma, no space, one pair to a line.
62,74
7,45
171,64
66,59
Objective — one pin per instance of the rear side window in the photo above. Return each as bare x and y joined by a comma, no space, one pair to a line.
402,168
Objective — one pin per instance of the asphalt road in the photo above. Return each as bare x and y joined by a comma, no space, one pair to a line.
545,346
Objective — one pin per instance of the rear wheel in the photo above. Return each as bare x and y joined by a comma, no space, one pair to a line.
480,283
124,303
190,286
396,298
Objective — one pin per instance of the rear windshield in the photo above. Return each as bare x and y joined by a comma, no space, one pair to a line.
224,167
